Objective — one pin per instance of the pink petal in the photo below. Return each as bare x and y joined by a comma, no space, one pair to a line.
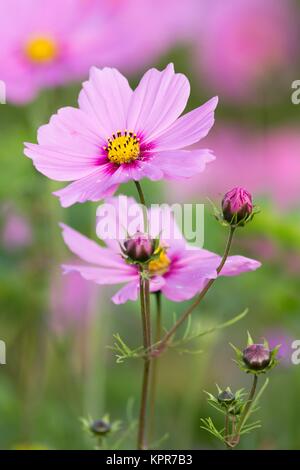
122,216
157,283
178,164
129,292
93,187
60,164
102,276
236,265
189,128
180,288
73,129
105,97
90,251
191,263
162,223
147,169
187,273
138,170
190,273
157,101
69,146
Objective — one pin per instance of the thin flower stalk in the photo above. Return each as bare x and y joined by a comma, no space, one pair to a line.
146,327
162,345
154,372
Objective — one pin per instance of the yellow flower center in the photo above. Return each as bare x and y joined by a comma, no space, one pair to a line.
123,148
41,49
160,265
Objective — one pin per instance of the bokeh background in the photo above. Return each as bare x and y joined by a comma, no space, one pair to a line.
57,328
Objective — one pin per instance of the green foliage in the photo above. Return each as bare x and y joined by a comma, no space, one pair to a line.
236,413
123,351
190,335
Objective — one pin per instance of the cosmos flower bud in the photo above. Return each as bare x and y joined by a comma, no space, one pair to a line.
257,356
226,397
237,206
139,248
100,427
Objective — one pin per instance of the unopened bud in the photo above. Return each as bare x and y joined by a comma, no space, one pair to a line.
237,205
257,356
139,248
100,427
226,397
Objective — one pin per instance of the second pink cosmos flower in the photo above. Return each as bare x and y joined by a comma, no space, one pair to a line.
179,272
118,135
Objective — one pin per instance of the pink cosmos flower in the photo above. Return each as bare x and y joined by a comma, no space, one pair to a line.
118,135
48,43
179,272
242,43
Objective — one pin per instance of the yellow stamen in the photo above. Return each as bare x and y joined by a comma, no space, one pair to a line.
41,49
160,265
123,148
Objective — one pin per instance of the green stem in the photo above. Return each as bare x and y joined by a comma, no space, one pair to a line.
145,311
226,435
143,202
163,343
247,406
154,373
148,315
233,441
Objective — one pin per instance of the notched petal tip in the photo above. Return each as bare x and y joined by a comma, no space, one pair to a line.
29,148
214,101
170,66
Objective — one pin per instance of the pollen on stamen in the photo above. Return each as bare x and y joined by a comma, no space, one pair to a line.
123,147
161,264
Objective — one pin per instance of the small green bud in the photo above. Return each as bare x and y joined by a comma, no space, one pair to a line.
100,427
226,397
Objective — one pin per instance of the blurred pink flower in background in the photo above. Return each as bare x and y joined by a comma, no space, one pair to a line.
241,43
119,135
45,43
264,248
292,261
72,302
16,231
282,176
278,336
52,42
267,163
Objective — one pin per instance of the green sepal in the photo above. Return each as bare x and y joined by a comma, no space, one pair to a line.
249,339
